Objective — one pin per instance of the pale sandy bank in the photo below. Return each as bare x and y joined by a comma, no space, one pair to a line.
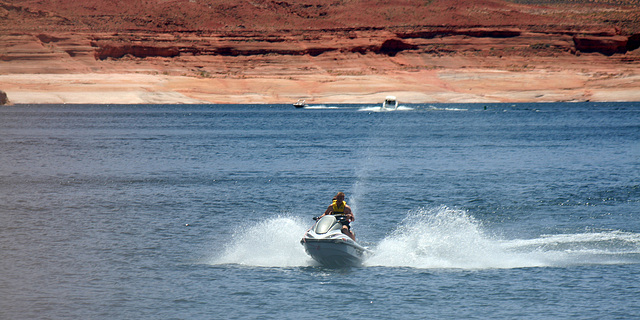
425,86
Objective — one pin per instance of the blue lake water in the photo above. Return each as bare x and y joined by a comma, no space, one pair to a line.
500,211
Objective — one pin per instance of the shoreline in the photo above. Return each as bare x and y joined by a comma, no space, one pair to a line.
316,106
442,86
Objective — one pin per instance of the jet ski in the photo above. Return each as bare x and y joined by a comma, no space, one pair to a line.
326,243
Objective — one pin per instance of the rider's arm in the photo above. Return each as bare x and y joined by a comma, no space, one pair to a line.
326,212
349,214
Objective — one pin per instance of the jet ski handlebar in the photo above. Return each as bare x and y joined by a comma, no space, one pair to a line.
339,218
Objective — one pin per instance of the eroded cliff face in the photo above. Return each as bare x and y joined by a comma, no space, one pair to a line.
463,42
178,29
485,41
215,39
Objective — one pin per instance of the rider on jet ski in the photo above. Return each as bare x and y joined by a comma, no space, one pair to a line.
339,208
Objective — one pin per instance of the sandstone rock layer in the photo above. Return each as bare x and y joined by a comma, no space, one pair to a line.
202,51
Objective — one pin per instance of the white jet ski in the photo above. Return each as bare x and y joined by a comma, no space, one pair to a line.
326,243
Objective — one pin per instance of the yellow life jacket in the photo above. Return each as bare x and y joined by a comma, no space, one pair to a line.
338,210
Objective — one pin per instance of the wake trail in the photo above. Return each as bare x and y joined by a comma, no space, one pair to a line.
435,238
450,238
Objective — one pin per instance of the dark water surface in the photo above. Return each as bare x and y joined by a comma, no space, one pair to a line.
525,211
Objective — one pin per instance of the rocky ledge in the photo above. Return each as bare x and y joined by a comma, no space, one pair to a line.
314,43
3,98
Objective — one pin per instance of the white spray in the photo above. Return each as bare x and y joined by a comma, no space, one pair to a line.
272,243
436,238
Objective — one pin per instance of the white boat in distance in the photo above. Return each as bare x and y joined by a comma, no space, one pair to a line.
390,103
300,103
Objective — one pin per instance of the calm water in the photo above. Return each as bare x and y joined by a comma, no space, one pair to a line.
525,211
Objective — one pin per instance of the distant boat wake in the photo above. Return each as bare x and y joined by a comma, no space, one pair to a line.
436,238
381,109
